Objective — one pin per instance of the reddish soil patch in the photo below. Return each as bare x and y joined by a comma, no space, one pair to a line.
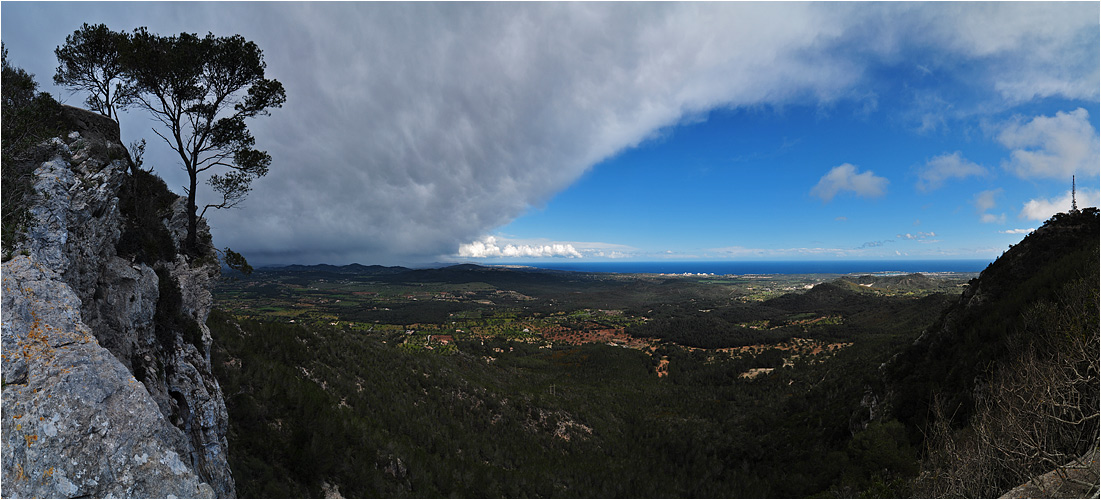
602,335
663,367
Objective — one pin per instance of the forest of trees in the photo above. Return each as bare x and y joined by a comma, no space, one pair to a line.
1008,391
318,406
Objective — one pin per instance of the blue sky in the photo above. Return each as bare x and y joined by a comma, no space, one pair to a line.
741,185
488,132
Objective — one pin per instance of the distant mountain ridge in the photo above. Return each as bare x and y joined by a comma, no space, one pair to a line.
346,269
906,281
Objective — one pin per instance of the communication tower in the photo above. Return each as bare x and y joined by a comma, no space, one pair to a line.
1073,197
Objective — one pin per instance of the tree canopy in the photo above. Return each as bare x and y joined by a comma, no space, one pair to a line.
91,60
199,89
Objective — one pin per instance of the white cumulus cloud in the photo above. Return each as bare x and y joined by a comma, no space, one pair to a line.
489,247
1042,209
1052,146
846,177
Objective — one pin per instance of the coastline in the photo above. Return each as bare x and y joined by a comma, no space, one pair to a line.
722,268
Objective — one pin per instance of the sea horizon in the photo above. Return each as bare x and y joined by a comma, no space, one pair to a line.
763,267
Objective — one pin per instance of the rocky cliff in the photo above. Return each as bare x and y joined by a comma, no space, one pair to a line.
107,386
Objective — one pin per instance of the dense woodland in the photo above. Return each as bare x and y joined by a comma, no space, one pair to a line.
310,407
317,408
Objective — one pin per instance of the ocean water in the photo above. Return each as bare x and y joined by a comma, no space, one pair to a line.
769,267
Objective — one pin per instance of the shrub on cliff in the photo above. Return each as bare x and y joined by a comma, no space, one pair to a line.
145,202
28,118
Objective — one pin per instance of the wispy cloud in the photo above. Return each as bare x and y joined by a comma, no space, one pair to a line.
947,166
745,252
846,178
986,200
872,249
992,219
919,236
1052,146
1018,231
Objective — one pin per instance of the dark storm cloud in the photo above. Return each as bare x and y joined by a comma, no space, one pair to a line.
420,127
412,128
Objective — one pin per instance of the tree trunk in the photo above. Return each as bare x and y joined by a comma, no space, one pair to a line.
192,219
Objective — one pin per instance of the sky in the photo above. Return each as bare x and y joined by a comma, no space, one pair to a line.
493,132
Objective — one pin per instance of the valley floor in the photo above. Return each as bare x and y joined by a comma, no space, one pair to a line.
487,383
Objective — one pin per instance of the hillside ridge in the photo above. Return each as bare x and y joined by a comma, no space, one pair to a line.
1024,332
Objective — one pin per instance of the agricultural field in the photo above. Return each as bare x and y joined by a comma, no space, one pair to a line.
441,306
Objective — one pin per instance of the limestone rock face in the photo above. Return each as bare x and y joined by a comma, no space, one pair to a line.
76,422
114,350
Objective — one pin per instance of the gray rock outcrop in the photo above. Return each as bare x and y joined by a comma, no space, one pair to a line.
76,422
107,386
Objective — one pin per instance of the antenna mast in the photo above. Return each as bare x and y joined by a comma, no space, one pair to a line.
1073,197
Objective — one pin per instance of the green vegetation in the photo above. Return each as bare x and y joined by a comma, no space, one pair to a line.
501,418
992,329
193,86
1037,411
145,202
169,319
28,118
200,91
92,60
1006,382
236,262
482,382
